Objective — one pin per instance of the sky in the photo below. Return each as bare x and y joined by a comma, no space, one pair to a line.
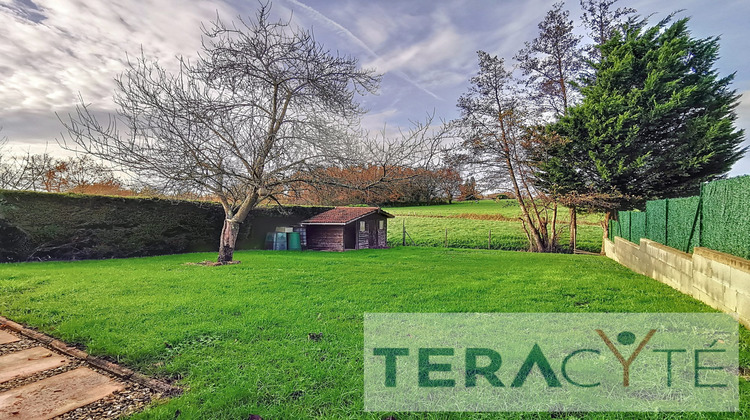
54,51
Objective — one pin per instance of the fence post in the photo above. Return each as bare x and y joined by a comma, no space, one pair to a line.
446,238
666,221
403,232
696,223
700,222
489,240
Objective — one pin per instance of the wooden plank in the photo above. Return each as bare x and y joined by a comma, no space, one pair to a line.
7,338
22,364
56,395
325,238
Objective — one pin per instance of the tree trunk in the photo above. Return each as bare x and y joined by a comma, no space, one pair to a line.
573,229
537,245
605,227
552,244
228,239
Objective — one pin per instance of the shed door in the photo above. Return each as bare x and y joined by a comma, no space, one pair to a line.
373,231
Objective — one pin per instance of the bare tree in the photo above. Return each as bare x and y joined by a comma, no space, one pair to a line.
552,61
8,173
379,164
494,126
262,104
602,20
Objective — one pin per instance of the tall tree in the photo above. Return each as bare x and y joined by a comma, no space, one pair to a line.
602,20
493,127
553,60
656,118
263,103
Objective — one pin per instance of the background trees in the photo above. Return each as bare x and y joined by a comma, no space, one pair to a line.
358,185
44,172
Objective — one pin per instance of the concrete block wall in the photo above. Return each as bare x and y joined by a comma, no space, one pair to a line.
720,280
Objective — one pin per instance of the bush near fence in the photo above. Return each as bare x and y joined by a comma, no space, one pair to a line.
716,219
43,226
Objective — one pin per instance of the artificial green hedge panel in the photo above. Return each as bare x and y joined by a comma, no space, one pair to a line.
716,219
637,226
623,219
42,226
656,221
683,223
726,216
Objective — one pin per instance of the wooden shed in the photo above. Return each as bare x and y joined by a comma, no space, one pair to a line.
345,228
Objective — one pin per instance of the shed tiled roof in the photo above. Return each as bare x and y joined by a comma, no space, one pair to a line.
344,215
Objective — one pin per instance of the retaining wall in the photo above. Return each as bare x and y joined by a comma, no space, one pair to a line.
720,280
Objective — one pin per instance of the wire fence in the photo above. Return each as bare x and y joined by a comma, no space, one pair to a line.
474,234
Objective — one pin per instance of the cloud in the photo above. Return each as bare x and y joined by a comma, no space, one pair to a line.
742,167
346,33
54,49
75,46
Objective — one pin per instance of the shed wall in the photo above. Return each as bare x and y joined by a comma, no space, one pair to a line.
325,238
372,237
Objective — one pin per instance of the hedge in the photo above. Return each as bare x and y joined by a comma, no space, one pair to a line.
43,226
717,219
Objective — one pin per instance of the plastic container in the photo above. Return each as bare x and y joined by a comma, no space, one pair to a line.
293,241
279,241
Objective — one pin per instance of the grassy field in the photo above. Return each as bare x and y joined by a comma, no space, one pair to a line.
236,337
507,208
468,224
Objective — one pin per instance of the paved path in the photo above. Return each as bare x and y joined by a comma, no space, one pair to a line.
32,389
42,378
56,395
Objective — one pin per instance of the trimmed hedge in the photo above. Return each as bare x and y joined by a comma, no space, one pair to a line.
717,219
43,226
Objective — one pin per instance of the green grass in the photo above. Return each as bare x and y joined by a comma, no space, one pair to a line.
469,223
471,233
235,337
507,208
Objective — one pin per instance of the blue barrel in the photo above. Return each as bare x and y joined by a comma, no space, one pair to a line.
279,242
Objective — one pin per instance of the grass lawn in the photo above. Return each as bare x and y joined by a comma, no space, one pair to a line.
507,208
236,337
469,222
472,233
